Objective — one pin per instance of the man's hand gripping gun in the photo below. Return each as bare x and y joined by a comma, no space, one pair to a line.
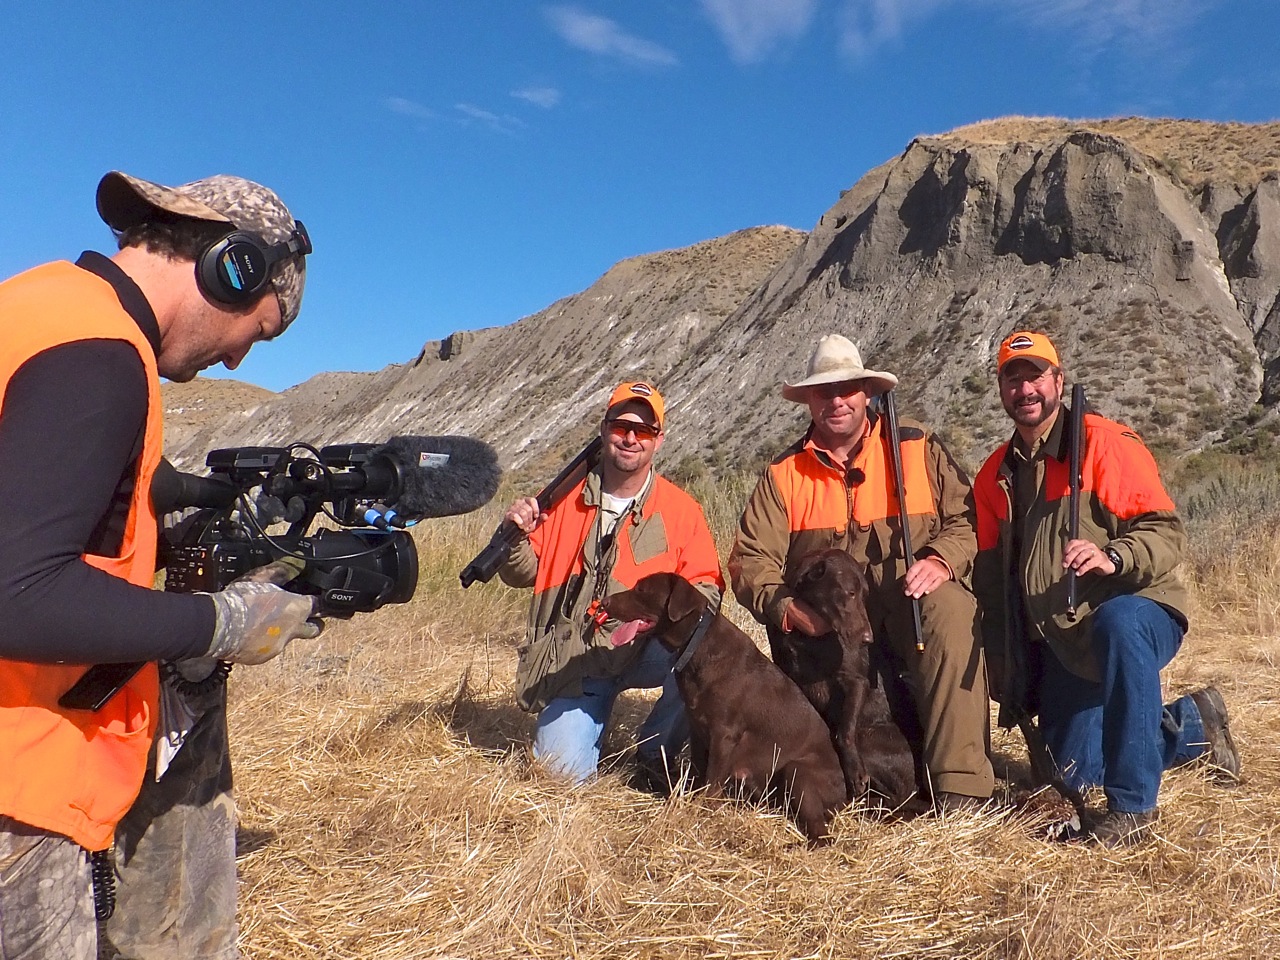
487,562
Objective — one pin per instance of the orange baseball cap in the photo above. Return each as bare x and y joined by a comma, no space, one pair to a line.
1026,345
645,393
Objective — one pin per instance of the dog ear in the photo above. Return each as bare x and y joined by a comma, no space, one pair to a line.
809,570
815,573
684,599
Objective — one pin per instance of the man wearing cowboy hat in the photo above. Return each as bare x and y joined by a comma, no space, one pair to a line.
1092,676
834,488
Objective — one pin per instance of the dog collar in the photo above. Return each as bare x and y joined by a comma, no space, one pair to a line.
695,639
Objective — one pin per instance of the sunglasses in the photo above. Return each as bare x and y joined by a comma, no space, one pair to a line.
643,431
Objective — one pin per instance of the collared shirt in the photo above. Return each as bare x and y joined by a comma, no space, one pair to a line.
845,465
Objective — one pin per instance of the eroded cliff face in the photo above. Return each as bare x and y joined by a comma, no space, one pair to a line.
1249,239
1150,251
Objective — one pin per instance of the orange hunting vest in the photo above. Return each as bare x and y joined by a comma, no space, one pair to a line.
559,541
76,772
817,497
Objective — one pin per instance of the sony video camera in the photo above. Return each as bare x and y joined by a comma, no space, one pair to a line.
369,492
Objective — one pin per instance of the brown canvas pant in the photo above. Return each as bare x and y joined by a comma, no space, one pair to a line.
176,854
948,681
46,896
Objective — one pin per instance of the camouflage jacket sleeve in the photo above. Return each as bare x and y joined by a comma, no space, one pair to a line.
759,554
956,541
521,566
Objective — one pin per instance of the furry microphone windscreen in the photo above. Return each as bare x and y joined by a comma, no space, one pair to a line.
442,476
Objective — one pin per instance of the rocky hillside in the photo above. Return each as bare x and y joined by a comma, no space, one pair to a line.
1150,249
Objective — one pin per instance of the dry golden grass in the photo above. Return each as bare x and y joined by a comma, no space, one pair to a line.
389,811
1193,151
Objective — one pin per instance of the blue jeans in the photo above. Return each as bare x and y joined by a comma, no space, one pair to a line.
569,731
1117,733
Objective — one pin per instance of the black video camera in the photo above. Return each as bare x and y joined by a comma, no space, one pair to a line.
370,491
355,569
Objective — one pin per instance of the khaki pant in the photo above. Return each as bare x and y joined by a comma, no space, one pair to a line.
948,680
176,854
46,896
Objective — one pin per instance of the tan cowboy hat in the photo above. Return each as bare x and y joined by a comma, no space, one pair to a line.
834,360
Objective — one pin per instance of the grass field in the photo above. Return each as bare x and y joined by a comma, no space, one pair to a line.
389,809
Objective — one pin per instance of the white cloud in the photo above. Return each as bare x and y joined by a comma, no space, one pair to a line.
498,123
605,38
409,108
752,29
866,24
1092,24
1102,23
545,97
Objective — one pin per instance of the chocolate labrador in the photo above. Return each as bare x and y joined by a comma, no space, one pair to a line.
748,723
847,684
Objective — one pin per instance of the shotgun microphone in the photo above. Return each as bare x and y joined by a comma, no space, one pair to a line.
419,477
440,476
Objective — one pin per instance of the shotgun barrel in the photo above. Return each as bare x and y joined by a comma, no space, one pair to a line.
1073,481
900,491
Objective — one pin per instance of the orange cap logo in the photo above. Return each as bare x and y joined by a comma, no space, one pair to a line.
1028,345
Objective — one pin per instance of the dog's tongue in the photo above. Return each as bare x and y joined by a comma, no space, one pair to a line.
626,632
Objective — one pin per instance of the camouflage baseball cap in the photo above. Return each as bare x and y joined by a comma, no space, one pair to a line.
125,201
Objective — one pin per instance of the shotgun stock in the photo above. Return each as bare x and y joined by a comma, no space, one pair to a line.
486,563
1045,771
900,491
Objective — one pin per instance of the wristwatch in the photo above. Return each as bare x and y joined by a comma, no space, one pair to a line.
1114,556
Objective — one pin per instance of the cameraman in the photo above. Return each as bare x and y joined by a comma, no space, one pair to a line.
203,271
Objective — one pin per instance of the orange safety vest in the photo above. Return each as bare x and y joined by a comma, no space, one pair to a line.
558,542
817,497
1121,477
76,772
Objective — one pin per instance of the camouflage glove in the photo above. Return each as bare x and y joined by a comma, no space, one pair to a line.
256,619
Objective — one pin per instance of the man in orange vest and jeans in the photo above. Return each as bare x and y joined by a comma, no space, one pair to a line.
203,271
834,488
621,523
1092,675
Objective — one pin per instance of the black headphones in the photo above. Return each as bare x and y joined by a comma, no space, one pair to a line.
236,270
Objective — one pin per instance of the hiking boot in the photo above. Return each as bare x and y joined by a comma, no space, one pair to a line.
1116,829
1222,755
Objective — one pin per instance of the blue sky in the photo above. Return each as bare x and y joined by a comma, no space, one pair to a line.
462,165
